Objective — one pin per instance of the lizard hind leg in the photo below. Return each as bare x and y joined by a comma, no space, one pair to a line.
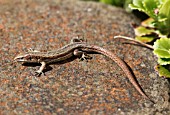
82,55
76,39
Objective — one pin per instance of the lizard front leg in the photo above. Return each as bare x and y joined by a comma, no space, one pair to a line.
32,50
40,71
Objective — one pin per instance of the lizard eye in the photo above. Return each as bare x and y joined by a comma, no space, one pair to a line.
21,58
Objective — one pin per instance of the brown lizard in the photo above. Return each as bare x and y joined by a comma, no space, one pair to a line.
75,49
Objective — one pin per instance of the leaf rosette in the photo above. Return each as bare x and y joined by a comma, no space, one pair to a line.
162,50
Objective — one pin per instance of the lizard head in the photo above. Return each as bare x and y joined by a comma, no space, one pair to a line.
26,58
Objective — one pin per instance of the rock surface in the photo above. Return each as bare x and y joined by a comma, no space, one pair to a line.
96,87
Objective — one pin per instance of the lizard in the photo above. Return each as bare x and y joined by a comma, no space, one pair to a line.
79,49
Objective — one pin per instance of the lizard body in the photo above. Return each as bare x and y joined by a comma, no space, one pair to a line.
79,49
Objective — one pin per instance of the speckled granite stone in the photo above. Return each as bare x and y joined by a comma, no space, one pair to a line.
96,87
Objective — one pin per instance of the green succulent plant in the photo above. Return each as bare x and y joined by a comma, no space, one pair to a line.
158,24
